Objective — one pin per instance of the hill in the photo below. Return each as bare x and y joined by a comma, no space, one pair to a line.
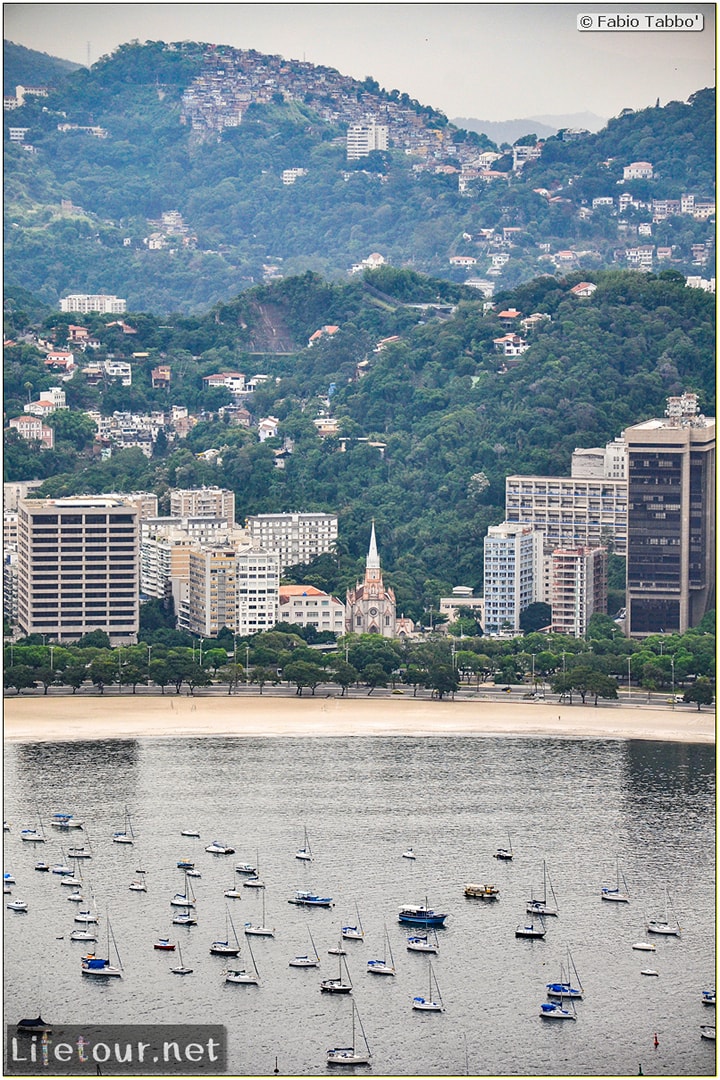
177,175
509,131
428,425
26,67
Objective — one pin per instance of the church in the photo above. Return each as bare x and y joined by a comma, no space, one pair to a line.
370,607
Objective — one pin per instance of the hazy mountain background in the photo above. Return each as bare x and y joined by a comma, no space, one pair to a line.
508,131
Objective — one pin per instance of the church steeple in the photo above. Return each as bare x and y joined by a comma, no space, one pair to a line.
373,559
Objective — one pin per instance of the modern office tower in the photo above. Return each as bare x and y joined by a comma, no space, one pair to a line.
84,302
298,538
579,588
671,520
304,605
78,568
203,502
513,572
570,511
363,138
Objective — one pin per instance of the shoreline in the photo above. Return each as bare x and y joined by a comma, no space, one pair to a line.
43,719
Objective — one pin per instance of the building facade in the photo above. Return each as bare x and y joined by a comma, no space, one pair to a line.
78,568
363,138
513,574
230,584
212,502
84,302
370,607
671,520
304,605
570,511
579,588
298,538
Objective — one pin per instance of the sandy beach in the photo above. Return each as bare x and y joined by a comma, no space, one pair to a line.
51,719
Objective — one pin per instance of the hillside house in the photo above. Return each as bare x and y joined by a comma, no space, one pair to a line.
160,377
234,381
583,289
33,429
638,170
61,362
510,345
324,331
268,428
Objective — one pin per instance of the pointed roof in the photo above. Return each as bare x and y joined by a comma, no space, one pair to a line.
373,559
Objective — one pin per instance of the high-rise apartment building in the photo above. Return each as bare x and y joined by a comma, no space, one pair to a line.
513,574
203,502
78,568
671,520
570,511
298,538
579,588
233,585
364,137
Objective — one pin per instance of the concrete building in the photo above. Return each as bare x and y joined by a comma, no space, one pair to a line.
671,520
203,502
462,597
304,605
234,585
363,138
570,511
594,462
579,588
78,568
513,572
297,537
84,302
34,430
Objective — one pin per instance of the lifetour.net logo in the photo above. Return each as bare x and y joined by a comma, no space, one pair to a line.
116,1050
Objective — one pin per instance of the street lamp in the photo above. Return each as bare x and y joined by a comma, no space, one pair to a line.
52,650
119,671
672,668
629,694
247,663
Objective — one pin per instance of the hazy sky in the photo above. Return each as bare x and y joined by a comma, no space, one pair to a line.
489,61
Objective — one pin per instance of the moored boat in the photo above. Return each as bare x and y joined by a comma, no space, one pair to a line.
310,899
421,915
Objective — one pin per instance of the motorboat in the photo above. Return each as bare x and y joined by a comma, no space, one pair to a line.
17,905
707,1031
164,944
649,971
82,935
310,899
75,898
245,868
421,915
43,867
218,848
185,864
644,946
409,854
190,832
482,892
708,997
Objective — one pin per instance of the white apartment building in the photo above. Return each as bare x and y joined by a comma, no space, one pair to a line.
163,538
234,585
513,573
570,511
365,137
78,568
596,462
84,302
203,502
462,597
579,588
304,605
297,537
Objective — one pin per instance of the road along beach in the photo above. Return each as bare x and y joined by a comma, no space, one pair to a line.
56,719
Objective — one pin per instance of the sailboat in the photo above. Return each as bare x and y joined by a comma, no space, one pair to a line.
430,1003
62,820
541,907
126,834
666,925
564,988
308,959
354,933
553,1010
184,899
503,853
185,918
34,836
232,893
305,852
181,969
82,935
617,894
225,948
423,943
354,1054
253,930
338,986
243,976
101,967
138,883
254,882
530,930
337,950
386,966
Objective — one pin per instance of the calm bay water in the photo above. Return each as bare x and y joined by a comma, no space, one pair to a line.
576,804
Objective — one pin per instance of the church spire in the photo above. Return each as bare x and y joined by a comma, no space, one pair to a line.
373,559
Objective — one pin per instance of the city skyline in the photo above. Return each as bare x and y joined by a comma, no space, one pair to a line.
453,57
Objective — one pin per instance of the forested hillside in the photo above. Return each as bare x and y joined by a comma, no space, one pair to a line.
425,437
117,146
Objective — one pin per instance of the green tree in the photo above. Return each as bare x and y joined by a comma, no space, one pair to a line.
374,675
20,676
701,692
304,674
344,674
103,670
263,675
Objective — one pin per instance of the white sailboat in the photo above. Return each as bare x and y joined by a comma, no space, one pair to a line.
305,852
184,899
358,1053
82,935
433,1002
243,976
616,895
337,950
260,930
386,966
34,836
542,907
564,988
226,947
409,854
354,933
100,967
185,918
138,883
126,834
554,1010
666,925
181,969
307,959
255,881
505,853
423,943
